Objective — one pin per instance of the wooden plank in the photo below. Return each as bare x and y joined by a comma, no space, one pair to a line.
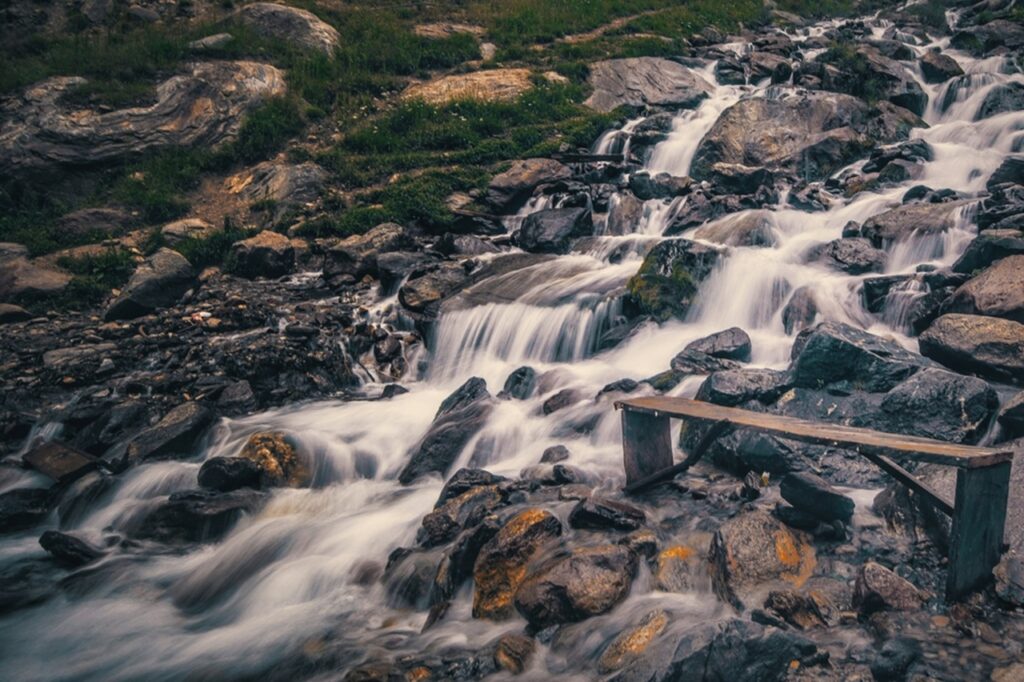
646,445
907,479
864,441
59,461
716,431
976,539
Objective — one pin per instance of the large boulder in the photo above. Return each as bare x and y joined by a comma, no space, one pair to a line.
200,109
938,67
356,256
175,233
501,566
645,82
854,255
158,283
997,292
730,344
808,135
225,474
624,214
552,230
985,38
835,352
666,283
268,254
902,222
988,247
749,228
508,190
290,25
879,588
938,404
1000,99
421,292
887,77
753,550
458,419
585,583
990,346
177,434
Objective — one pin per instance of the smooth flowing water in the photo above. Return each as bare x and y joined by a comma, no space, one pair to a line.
287,575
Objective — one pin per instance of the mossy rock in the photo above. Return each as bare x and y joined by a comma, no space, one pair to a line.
666,285
278,458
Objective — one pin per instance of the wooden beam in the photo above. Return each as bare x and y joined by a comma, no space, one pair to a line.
646,445
865,441
714,433
976,539
907,479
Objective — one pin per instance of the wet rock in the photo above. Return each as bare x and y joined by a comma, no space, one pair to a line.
408,579
23,508
81,495
624,214
202,108
689,362
158,283
878,588
990,346
460,417
501,566
520,384
268,254
854,255
1011,170
513,652
894,659
465,480
833,352
356,256
509,190
755,549
813,494
731,344
225,474
632,642
1009,579
900,223
802,611
1000,99
996,292
198,515
938,67
25,582
734,387
585,583
561,400
68,550
556,454
749,228
596,513
278,459
889,78
1011,416
667,281
173,234
658,186
645,82
680,568
176,435
290,25
464,511
938,404
734,650
987,248
801,310
808,135
552,230
763,65
421,293
984,38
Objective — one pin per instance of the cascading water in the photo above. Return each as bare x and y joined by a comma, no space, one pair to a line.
288,574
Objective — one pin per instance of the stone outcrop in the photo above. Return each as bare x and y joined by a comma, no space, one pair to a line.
645,82
290,25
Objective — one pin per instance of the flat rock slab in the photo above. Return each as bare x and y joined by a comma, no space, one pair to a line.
58,461
645,81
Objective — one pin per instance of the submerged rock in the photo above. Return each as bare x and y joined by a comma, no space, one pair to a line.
588,582
68,550
225,474
177,434
23,508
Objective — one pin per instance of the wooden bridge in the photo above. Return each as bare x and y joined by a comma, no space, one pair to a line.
982,481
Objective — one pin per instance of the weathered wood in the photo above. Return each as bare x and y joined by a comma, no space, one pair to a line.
59,461
646,444
976,539
864,441
713,434
907,479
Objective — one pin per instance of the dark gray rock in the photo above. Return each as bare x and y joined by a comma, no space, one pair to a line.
509,190
997,292
23,508
68,550
813,494
460,417
463,481
667,281
801,310
731,344
645,82
894,659
554,454
734,387
225,474
176,435
198,515
596,513
938,67
267,254
854,255
356,256
938,404
988,247
158,283
1000,99
659,186
552,230
695,362
520,384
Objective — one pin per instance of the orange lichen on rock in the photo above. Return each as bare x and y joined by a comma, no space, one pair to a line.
277,458
632,643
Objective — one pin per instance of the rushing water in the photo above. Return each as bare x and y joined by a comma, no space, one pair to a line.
286,576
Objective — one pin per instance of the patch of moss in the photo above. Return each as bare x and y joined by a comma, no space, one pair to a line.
662,297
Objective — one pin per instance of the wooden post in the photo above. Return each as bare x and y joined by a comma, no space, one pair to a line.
976,539
646,444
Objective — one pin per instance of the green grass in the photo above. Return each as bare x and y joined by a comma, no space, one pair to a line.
211,250
94,276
